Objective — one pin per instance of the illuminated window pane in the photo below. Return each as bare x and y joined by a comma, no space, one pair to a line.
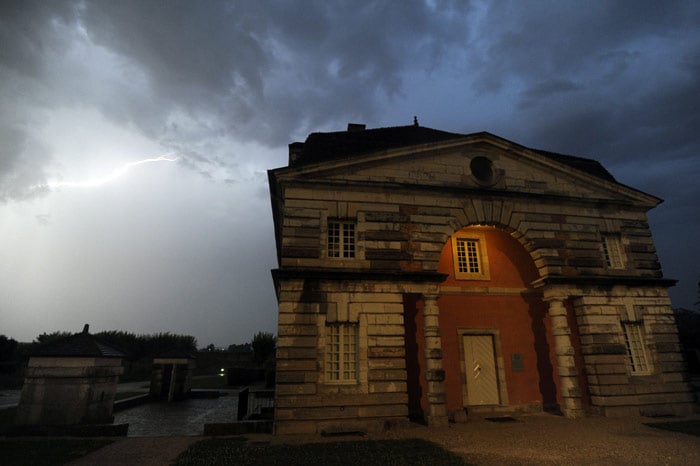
468,256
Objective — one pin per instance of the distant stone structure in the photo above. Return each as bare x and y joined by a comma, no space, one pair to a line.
433,275
71,382
171,379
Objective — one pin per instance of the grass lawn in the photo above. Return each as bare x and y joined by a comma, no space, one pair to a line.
46,451
685,427
238,451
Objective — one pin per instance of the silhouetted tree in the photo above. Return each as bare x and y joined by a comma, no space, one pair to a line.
142,346
240,348
10,364
8,349
134,346
263,346
688,322
48,338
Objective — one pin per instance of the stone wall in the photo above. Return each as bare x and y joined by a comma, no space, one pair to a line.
305,402
68,391
615,390
408,231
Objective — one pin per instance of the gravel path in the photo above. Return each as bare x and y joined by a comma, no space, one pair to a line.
545,439
537,439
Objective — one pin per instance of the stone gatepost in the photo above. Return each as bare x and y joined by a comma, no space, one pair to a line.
564,350
434,373
171,377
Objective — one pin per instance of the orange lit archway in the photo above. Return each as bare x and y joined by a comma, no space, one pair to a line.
500,305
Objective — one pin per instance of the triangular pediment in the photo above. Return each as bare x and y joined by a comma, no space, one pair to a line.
480,161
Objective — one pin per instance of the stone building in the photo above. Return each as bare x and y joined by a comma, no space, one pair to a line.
70,382
431,275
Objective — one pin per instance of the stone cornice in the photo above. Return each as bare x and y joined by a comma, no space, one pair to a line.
358,274
589,280
481,192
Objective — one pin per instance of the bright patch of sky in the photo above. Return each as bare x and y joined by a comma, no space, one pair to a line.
87,87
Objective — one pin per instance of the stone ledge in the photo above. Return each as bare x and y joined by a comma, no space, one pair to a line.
361,274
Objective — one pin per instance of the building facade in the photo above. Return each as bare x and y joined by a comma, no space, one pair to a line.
430,275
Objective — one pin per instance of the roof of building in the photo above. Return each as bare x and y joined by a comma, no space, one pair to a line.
320,147
79,345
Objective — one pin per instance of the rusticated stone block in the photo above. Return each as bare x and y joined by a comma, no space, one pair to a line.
386,352
610,348
295,389
435,375
387,374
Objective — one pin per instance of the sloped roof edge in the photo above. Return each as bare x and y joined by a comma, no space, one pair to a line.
338,145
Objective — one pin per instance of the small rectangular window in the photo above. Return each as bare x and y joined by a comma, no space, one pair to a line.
612,249
341,352
470,260
341,239
636,351
468,256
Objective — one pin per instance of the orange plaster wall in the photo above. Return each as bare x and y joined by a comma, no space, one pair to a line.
521,321
510,265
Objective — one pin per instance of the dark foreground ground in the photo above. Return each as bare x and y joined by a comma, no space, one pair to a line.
539,439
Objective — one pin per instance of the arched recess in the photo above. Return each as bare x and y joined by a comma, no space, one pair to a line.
506,216
497,306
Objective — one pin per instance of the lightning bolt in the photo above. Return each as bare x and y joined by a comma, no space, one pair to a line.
118,173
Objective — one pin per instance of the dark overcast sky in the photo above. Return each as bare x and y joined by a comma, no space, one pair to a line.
186,246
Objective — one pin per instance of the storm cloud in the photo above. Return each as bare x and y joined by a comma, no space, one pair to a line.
88,85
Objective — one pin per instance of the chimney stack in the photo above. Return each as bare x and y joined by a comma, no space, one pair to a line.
295,150
355,127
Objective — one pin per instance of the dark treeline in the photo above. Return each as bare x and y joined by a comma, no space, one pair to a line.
688,322
140,346
264,344
9,354
139,351
132,345
12,357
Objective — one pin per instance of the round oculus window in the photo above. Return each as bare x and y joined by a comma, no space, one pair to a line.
482,169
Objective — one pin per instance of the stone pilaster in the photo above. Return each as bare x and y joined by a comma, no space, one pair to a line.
566,364
434,373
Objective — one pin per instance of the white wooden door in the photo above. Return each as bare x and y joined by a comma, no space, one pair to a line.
480,367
